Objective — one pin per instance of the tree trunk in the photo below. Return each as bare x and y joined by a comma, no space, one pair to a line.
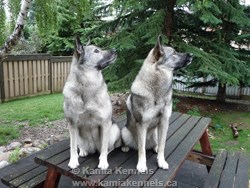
169,18
221,94
15,36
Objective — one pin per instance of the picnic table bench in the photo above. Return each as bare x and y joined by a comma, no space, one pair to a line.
184,132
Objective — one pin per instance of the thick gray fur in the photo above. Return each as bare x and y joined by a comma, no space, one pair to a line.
87,105
149,105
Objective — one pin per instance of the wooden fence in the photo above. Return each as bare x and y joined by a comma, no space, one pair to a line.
231,91
30,75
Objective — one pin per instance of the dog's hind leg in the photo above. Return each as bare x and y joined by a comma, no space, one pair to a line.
82,152
82,147
115,139
127,140
105,131
73,162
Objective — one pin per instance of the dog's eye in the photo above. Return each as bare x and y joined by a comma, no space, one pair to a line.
96,51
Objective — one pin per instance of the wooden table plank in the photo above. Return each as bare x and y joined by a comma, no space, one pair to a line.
120,118
64,169
229,171
241,179
33,182
22,167
28,176
50,152
115,161
59,158
27,164
174,116
152,167
178,125
177,157
91,161
130,164
216,169
176,150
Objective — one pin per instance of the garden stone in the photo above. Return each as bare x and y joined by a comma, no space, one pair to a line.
27,145
4,164
2,149
54,139
60,137
36,143
40,144
14,145
24,152
5,156
27,141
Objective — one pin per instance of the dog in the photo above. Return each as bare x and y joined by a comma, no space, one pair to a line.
149,106
87,105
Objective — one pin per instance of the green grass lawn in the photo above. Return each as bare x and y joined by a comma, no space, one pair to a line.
223,135
32,111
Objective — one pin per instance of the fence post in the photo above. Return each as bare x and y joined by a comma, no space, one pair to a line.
2,91
50,74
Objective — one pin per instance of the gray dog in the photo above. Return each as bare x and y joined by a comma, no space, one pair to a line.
149,105
87,105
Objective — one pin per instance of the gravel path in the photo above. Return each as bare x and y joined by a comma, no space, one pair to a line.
50,131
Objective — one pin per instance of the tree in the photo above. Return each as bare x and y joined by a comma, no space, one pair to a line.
216,32
126,33
2,22
215,27
205,28
70,18
15,36
42,17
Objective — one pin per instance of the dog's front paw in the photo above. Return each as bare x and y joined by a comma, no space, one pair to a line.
162,164
103,164
141,167
73,163
125,148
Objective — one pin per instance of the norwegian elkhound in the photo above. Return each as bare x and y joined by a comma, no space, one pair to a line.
149,105
87,105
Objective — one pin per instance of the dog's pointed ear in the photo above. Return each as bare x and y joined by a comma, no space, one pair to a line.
78,46
158,51
88,43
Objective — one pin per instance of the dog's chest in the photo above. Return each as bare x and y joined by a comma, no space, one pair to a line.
96,111
154,112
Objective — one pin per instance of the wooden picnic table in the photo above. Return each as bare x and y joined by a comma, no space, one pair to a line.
184,132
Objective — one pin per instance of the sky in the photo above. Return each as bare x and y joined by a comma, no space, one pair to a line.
247,2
